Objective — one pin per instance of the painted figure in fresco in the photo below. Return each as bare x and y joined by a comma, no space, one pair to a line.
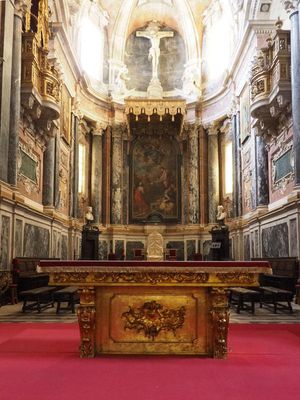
163,178
141,207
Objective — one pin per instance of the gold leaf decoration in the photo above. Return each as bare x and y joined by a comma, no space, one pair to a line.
152,318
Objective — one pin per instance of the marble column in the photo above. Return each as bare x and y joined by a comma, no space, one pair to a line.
292,8
116,186
6,40
213,172
237,187
262,176
96,189
74,168
49,171
56,169
15,103
193,174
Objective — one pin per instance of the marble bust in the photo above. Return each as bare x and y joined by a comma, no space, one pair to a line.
89,218
221,215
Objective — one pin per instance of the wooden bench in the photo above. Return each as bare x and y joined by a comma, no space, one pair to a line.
25,275
241,296
69,295
276,297
39,298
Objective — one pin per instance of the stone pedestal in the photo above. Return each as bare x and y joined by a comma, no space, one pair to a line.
155,90
220,243
90,243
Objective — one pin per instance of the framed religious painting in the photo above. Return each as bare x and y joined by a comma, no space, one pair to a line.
65,116
245,119
155,183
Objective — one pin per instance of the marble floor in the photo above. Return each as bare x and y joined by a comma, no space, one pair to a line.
13,313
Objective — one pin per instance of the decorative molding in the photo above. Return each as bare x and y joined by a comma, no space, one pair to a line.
122,277
151,107
220,320
87,321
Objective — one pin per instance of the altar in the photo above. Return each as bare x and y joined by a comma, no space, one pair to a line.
166,308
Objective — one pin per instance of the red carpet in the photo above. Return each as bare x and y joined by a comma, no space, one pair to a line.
40,361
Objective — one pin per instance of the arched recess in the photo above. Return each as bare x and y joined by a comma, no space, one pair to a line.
121,31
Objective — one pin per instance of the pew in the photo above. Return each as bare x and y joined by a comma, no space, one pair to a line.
25,275
67,295
37,299
281,286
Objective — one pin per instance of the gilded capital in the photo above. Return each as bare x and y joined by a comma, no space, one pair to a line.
98,130
290,6
212,129
21,7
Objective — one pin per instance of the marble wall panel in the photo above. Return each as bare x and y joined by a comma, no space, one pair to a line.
56,244
293,238
4,243
256,244
130,246
247,253
191,249
206,249
275,241
179,246
252,244
18,238
36,241
64,247
103,250
119,249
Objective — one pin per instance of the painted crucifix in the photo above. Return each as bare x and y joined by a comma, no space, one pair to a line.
153,33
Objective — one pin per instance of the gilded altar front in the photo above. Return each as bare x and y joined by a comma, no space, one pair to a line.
161,308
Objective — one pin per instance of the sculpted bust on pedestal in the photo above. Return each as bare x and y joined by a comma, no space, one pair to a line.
89,218
221,215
